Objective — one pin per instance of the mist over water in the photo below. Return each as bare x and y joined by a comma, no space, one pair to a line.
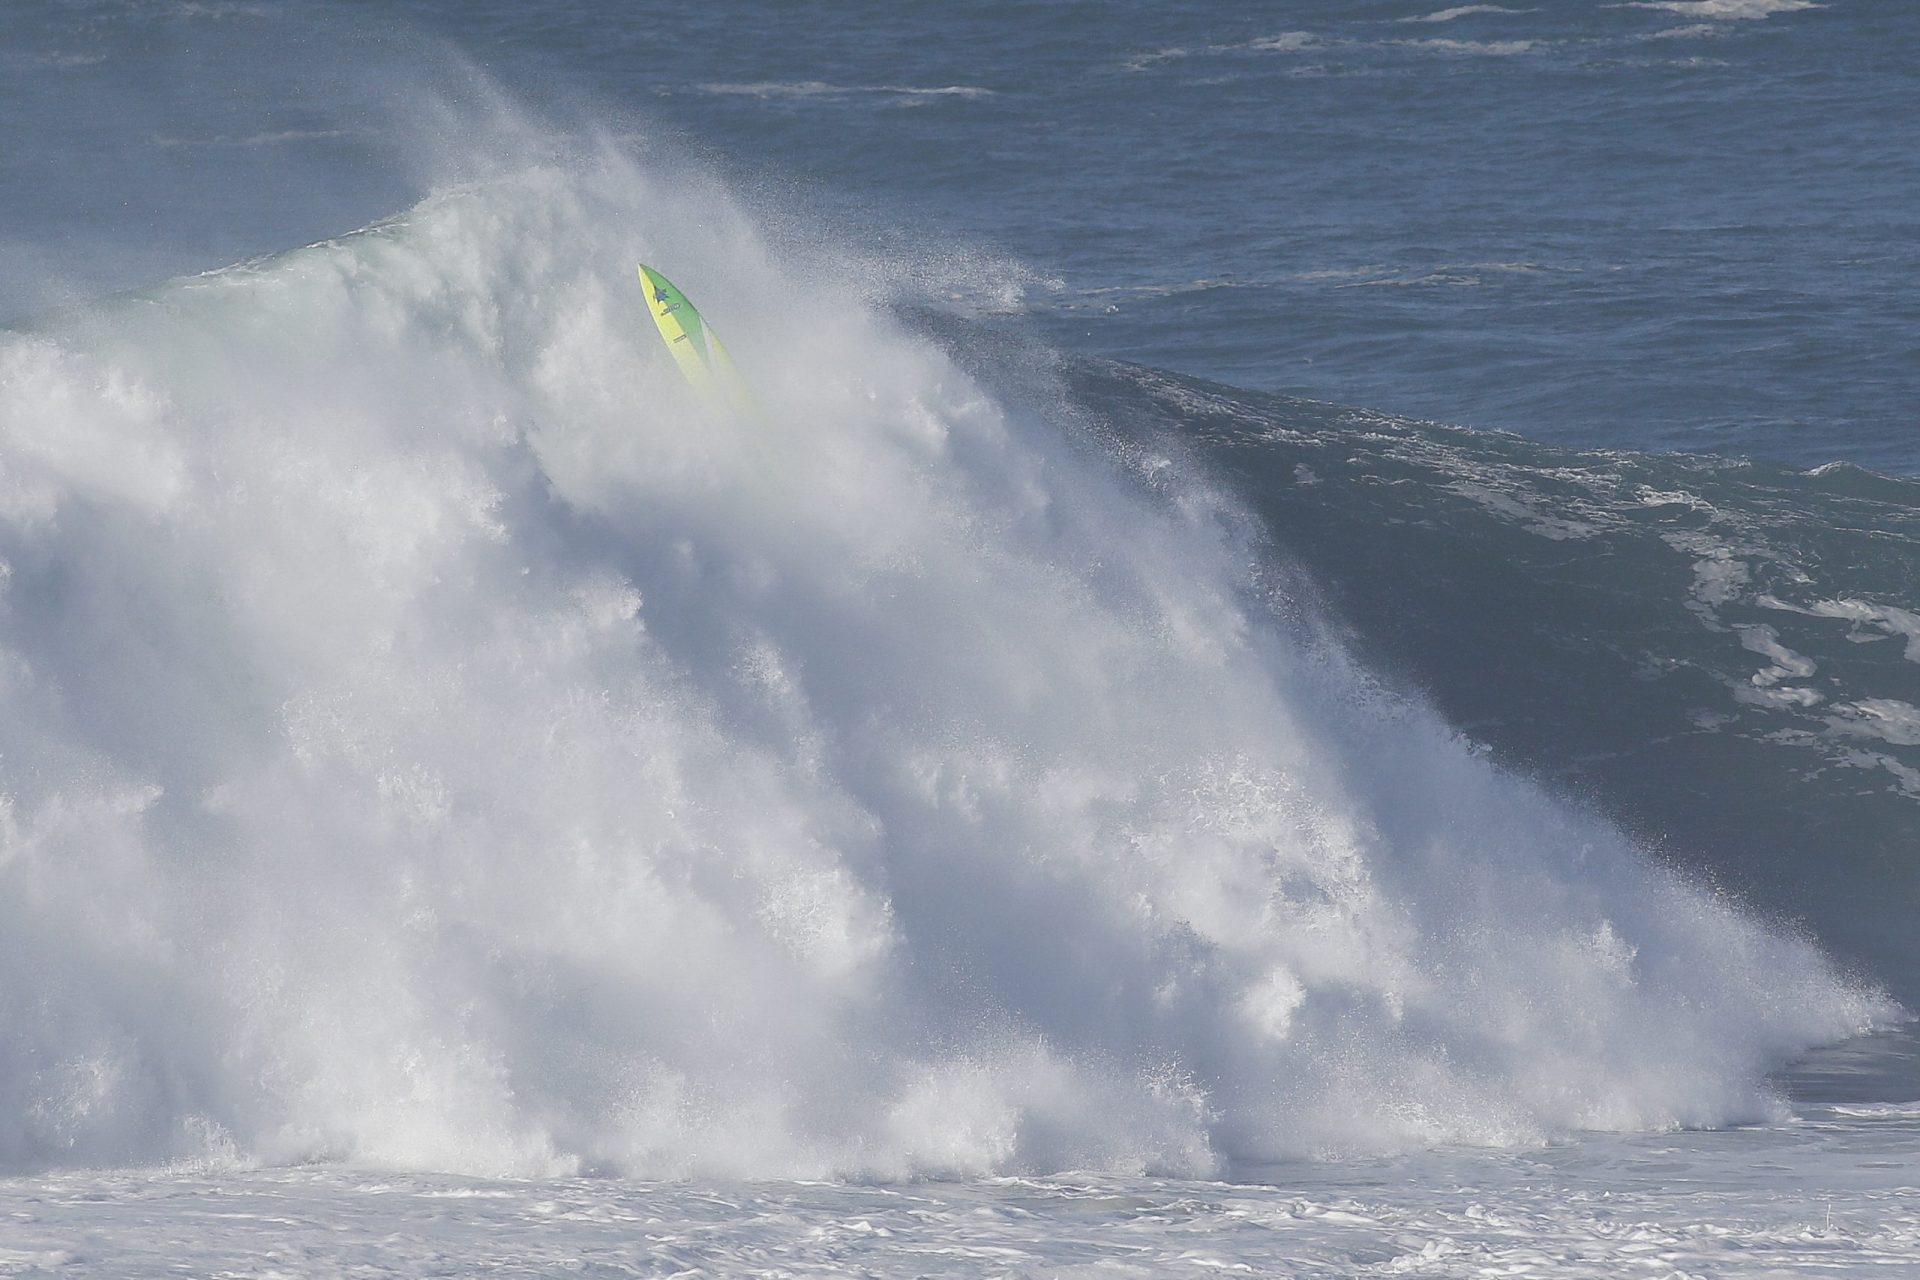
429,738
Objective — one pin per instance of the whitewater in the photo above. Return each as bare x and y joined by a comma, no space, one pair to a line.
464,804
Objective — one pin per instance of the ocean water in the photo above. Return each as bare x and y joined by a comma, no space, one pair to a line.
1310,665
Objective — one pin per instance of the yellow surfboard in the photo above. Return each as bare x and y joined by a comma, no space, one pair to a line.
696,348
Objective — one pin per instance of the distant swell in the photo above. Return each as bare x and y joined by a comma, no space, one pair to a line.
428,739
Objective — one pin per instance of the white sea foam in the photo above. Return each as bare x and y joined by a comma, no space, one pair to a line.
1532,516
1699,1204
1888,719
1718,575
1462,11
821,89
1725,10
1785,664
1692,31
429,738
1475,48
1890,619
1282,42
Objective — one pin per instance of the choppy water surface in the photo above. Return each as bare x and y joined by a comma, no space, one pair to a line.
1827,1195
1685,224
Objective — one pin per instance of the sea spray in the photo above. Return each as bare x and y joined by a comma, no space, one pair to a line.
427,738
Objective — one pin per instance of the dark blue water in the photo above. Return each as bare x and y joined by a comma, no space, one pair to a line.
1654,226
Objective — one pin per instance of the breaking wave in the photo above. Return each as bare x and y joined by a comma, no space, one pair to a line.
428,738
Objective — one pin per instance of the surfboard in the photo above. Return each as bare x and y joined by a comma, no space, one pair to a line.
695,347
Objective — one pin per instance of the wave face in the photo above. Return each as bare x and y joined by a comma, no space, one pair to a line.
1723,655
426,739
